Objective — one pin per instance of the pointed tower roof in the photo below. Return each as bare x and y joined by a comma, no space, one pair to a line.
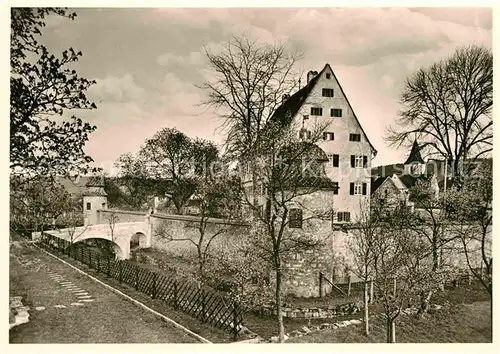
95,187
415,154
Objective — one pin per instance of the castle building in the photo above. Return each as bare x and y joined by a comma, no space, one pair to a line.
347,149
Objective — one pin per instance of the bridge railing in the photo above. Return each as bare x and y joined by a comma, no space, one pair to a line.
203,304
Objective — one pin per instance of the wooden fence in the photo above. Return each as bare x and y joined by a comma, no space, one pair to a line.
202,304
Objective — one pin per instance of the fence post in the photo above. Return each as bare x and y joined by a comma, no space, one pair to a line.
320,284
349,285
235,321
81,255
136,278
90,258
98,264
153,291
176,302
109,266
120,271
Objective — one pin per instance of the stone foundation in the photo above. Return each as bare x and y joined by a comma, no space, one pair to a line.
317,312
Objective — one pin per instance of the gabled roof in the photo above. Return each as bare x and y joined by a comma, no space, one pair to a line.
400,182
409,181
377,182
414,154
287,111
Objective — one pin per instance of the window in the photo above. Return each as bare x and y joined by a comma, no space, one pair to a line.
328,76
89,206
335,187
358,161
327,92
295,219
343,216
335,160
305,134
357,188
328,136
335,112
354,137
316,111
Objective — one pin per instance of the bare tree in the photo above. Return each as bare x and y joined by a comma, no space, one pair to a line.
112,219
429,223
248,86
391,251
448,107
218,197
362,248
289,171
471,210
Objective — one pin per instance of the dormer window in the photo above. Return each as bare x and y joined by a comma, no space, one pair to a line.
328,76
327,92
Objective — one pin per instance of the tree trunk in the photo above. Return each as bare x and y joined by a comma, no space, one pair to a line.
425,297
366,312
372,294
279,311
391,330
254,187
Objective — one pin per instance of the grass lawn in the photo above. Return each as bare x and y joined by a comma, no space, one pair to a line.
465,295
464,323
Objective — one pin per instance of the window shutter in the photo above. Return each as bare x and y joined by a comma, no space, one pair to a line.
335,187
365,161
339,216
325,136
364,188
335,160
353,162
351,188
347,217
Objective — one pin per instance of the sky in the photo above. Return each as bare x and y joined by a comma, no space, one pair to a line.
148,62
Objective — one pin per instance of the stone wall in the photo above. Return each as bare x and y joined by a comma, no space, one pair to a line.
172,234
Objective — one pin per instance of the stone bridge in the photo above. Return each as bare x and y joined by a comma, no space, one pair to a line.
123,234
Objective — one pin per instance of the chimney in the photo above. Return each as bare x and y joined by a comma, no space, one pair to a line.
285,98
311,75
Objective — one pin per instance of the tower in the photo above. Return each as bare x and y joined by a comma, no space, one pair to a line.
94,198
415,164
